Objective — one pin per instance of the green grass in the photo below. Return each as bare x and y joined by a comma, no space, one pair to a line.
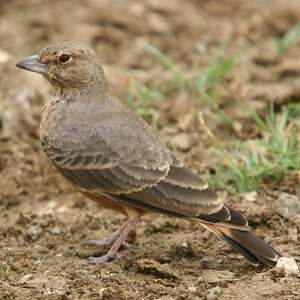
195,83
248,165
141,98
288,39
243,166
5,268
207,81
190,81
180,80
294,112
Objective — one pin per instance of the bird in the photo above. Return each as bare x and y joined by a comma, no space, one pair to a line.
113,156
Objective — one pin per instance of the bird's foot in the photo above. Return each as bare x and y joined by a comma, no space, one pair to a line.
106,242
101,243
117,240
102,259
127,245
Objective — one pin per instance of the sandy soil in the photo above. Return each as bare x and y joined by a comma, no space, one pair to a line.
44,221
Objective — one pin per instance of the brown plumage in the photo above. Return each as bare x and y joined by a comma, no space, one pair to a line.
114,157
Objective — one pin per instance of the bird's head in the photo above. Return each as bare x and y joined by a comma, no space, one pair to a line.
66,65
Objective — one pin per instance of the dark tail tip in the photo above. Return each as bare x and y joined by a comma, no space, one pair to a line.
255,250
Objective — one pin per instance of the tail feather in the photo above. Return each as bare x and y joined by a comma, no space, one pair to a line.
255,250
228,217
242,250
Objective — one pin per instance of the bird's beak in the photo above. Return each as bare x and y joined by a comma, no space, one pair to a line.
32,64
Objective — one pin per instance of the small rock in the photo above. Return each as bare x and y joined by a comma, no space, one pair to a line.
33,232
184,250
251,196
137,9
214,276
214,293
115,293
293,234
208,263
25,278
287,205
192,289
179,112
158,24
266,55
296,220
182,141
288,264
4,56
55,230
169,130
147,266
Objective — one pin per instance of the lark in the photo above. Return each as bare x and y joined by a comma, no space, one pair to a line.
112,156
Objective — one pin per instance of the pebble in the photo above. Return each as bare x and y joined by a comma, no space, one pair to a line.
293,234
251,196
208,263
192,289
158,24
33,232
182,141
148,266
288,264
25,278
4,56
215,276
287,205
55,230
169,130
214,293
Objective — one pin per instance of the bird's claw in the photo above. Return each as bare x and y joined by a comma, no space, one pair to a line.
127,245
99,243
105,242
102,259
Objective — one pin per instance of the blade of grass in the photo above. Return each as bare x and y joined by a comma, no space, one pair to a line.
289,38
178,75
267,160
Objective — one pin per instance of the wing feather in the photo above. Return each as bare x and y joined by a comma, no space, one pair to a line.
116,153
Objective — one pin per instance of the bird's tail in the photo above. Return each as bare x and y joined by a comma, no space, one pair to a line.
232,227
255,250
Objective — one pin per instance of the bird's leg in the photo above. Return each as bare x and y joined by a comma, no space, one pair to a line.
107,241
122,234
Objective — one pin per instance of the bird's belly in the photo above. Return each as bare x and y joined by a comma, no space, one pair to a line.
104,201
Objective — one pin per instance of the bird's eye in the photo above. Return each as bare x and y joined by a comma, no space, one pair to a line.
64,58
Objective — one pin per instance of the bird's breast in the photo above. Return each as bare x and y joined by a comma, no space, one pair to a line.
52,124
50,116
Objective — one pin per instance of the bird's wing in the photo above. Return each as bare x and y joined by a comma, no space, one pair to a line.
113,152
181,192
120,155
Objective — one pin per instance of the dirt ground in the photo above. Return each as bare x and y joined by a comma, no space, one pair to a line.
43,221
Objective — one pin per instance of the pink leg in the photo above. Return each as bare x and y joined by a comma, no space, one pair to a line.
118,240
106,241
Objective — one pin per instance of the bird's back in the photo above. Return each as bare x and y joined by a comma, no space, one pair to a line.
101,127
